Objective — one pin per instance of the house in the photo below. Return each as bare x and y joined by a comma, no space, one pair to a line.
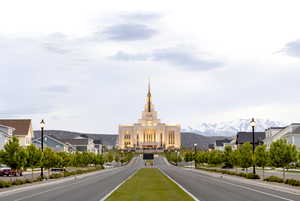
55,144
98,146
243,137
5,134
220,144
291,133
82,144
23,129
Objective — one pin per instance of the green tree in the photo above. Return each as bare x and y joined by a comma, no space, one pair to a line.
117,158
14,155
282,154
227,157
109,157
215,157
235,159
245,155
188,156
261,157
49,159
34,157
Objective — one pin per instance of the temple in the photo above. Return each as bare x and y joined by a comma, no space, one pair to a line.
149,133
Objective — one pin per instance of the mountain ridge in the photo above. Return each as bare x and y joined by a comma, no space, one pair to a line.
230,128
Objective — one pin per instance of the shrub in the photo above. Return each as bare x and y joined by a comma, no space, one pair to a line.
292,182
252,176
4,184
274,179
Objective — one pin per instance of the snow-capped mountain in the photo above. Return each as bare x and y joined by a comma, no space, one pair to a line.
230,128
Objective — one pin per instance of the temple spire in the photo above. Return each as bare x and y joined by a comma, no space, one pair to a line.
149,97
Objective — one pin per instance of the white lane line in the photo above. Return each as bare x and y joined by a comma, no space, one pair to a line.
59,181
190,194
241,180
258,191
118,186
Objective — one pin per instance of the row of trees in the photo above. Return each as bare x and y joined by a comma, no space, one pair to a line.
17,157
280,155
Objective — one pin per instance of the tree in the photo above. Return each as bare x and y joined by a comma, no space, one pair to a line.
282,154
245,155
109,157
188,156
49,159
117,158
235,158
34,157
261,157
215,157
228,157
14,155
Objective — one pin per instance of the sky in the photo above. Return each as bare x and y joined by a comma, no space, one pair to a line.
84,65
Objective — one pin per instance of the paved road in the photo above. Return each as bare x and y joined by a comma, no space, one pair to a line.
87,188
209,187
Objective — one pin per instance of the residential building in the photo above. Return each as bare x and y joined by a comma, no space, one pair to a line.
5,134
291,133
55,144
82,144
149,133
23,129
243,137
220,144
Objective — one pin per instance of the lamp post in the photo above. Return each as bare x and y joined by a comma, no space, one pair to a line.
253,124
42,124
195,151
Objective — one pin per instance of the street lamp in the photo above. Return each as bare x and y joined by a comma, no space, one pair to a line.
42,124
195,150
253,124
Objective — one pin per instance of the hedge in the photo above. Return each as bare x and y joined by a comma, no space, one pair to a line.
241,174
292,182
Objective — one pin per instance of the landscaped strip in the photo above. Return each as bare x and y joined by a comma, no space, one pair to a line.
149,184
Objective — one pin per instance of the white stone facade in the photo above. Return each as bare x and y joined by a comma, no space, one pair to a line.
291,133
149,132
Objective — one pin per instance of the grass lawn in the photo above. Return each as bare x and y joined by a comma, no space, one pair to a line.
149,184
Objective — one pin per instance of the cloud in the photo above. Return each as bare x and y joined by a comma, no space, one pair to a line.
56,89
292,48
57,43
141,16
182,58
123,56
129,32
185,59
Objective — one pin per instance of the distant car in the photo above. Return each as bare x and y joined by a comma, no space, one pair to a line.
7,171
58,169
107,165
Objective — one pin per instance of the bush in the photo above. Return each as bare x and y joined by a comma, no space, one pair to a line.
252,176
4,184
274,179
292,182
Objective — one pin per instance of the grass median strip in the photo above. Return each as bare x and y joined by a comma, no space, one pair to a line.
149,184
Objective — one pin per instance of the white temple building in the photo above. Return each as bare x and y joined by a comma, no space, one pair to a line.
149,132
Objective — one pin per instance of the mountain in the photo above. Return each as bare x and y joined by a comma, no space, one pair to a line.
230,128
187,139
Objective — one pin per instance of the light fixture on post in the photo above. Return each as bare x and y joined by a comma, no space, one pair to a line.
42,124
253,124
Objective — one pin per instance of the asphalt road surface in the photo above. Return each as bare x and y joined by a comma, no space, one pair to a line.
210,187
86,188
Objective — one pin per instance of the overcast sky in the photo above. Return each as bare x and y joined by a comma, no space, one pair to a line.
84,65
